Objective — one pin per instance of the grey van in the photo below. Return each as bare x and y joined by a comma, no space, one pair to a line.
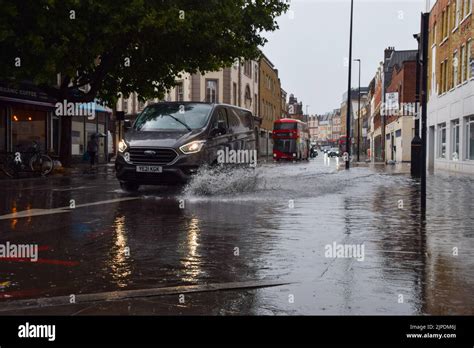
169,141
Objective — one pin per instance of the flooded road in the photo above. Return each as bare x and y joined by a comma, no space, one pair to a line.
278,222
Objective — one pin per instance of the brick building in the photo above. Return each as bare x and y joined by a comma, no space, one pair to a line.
400,122
451,86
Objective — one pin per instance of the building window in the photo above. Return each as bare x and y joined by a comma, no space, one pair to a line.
211,91
179,92
248,98
444,32
467,8
234,93
470,138
248,68
3,128
469,59
256,73
455,140
454,24
455,70
28,126
255,105
442,140
125,105
463,63
459,7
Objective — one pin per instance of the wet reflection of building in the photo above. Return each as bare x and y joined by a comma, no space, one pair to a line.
449,277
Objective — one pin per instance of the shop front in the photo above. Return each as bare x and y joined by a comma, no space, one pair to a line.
27,116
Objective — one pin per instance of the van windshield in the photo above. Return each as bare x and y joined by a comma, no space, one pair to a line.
173,117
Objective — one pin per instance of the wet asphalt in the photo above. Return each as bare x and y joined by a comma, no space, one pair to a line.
223,244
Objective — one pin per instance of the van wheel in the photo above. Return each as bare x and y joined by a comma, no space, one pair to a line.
129,186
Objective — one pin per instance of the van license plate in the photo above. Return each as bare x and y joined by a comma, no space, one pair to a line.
149,169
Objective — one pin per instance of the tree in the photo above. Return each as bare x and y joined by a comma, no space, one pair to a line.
117,46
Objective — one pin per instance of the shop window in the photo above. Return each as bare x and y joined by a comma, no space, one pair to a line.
28,126
455,140
442,140
470,138
3,129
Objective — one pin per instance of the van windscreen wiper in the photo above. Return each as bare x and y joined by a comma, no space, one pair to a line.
184,124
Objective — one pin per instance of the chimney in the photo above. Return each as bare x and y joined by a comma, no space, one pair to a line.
388,52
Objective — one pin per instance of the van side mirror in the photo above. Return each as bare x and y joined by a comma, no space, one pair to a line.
127,124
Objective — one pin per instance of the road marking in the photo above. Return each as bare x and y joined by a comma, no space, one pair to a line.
73,188
40,212
127,294
31,213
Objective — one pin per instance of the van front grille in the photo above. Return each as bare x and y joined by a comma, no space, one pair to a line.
142,155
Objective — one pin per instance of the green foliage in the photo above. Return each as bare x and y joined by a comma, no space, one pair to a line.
89,41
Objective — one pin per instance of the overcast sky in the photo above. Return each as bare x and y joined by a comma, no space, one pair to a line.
312,43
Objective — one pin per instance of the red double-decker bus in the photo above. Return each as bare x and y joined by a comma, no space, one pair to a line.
342,144
290,139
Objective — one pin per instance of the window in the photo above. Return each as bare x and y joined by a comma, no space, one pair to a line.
442,140
256,73
467,8
463,64
179,92
454,22
255,105
444,32
455,140
211,91
234,93
444,77
248,97
459,7
221,117
469,59
125,105
248,68
470,138
3,128
455,70
28,126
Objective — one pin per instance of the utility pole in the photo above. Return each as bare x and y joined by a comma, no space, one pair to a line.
358,115
425,18
349,96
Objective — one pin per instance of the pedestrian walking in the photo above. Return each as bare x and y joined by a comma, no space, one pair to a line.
92,149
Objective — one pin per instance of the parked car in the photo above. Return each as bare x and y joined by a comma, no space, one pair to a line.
325,149
333,152
169,141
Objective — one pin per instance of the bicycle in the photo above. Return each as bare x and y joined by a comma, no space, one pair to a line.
32,160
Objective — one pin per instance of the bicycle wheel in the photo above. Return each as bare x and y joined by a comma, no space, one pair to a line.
42,164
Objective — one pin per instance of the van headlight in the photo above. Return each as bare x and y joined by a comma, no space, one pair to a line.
122,146
192,147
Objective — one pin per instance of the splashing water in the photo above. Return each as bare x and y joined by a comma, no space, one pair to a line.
212,181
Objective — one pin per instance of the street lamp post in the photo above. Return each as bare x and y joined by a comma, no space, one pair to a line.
358,115
349,101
